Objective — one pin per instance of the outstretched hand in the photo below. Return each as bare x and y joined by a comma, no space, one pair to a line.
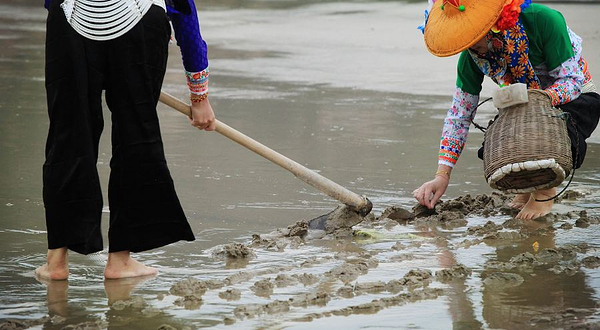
431,191
203,116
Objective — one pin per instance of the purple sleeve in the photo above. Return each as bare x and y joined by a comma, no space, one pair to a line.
187,32
47,3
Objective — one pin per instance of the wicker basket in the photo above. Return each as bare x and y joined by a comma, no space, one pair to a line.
527,147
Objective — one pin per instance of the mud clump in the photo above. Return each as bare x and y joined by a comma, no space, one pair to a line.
377,305
214,284
228,320
348,272
22,324
398,246
190,301
449,274
523,259
341,219
481,204
258,241
547,256
133,302
571,195
294,240
299,229
566,226
416,277
501,281
585,220
452,213
346,291
450,218
569,270
188,287
504,236
308,299
230,294
421,211
89,325
238,278
569,252
591,262
550,256
370,287
253,310
283,280
233,251
398,214
166,327
263,288
306,279
487,228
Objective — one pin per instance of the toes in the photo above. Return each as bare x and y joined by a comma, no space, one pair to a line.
516,206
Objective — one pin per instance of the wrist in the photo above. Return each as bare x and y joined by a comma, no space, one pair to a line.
198,98
198,84
442,174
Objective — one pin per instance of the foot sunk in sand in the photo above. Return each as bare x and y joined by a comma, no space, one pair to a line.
533,209
519,201
121,265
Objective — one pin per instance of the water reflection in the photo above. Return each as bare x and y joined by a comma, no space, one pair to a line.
121,289
459,302
125,309
57,295
276,85
544,299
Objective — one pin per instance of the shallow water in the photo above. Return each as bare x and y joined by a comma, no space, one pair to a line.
345,88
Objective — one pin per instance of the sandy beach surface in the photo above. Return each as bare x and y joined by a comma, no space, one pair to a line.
347,89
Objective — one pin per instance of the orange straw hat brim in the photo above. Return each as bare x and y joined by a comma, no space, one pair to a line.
449,31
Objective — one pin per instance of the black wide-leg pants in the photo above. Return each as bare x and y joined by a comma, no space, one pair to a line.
145,212
584,116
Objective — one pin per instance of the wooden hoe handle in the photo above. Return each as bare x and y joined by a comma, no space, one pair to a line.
359,203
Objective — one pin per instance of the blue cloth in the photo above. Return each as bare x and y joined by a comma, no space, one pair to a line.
187,32
184,18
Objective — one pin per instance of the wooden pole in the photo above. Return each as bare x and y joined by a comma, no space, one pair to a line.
359,203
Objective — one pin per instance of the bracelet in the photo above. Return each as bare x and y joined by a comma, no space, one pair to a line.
443,172
198,98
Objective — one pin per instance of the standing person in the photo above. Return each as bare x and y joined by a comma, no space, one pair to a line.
119,47
510,41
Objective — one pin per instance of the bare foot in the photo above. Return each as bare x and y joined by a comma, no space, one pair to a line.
56,267
533,209
121,265
519,201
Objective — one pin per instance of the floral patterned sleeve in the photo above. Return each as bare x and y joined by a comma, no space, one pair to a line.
569,76
456,127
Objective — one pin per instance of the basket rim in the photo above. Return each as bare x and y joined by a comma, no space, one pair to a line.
528,166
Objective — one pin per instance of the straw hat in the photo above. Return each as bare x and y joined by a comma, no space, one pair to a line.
455,25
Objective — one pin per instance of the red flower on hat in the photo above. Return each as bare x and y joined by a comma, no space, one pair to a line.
509,16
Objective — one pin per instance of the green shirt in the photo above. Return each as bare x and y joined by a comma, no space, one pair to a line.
549,44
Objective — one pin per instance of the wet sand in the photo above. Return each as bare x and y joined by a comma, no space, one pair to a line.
346,89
